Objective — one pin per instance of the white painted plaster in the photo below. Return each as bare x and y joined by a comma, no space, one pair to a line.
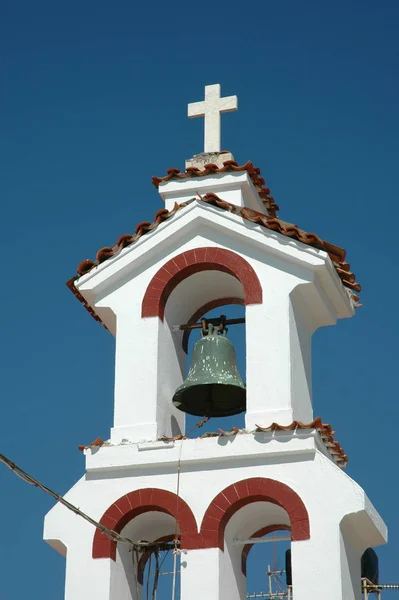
236,188
201,574
225,449
210,465
301,292
149,361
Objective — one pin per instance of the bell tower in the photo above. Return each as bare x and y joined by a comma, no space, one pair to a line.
217,240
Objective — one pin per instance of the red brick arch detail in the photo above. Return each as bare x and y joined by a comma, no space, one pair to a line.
257,489
121,512
193,261
259,533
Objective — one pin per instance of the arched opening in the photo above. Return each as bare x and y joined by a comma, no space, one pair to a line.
210,294
186,286
267,564
156,517
245,510
145,574
250,549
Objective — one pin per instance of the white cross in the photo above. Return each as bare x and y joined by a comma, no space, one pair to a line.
211,108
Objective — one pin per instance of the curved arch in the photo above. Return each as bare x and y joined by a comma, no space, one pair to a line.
257,489
259,533
193,261
121,512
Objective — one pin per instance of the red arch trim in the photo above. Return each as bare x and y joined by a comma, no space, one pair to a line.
121,512
193,261
259,533
244,492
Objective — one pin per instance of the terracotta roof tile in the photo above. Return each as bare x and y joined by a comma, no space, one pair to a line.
228,166
336,253
97,442
325,431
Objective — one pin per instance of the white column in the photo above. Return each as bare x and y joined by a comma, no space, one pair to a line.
317,570
200,574
135,378
87,578
278,365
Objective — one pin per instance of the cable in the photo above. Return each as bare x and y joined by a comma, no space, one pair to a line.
110,533
164,558
148,577
175,552
156,576
135,554
199,424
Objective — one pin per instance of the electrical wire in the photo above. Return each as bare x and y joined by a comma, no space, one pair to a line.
135,554
175,552
156,576
110,533
148,577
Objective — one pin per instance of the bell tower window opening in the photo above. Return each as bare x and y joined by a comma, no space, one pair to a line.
160,574
254,542
267,563
203,293
145,570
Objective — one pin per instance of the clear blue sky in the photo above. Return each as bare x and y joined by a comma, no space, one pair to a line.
93,104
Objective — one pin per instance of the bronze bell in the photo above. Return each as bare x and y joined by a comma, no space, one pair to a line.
213,387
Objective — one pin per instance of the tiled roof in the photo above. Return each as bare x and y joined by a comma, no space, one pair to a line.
97,442
228,166
324,430
336,253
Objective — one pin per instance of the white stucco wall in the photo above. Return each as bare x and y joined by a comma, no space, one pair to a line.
210,465
301,291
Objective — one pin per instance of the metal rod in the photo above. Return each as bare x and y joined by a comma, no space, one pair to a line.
269,577
275,538
267,595
212,321
369,586
389,586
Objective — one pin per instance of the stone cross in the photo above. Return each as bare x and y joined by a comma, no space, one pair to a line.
211,108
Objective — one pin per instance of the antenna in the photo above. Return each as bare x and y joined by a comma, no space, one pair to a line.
273,583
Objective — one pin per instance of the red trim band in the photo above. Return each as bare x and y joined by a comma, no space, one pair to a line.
216,517
244,492
193,261
121,512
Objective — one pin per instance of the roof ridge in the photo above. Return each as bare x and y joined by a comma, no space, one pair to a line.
272,223
228,166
